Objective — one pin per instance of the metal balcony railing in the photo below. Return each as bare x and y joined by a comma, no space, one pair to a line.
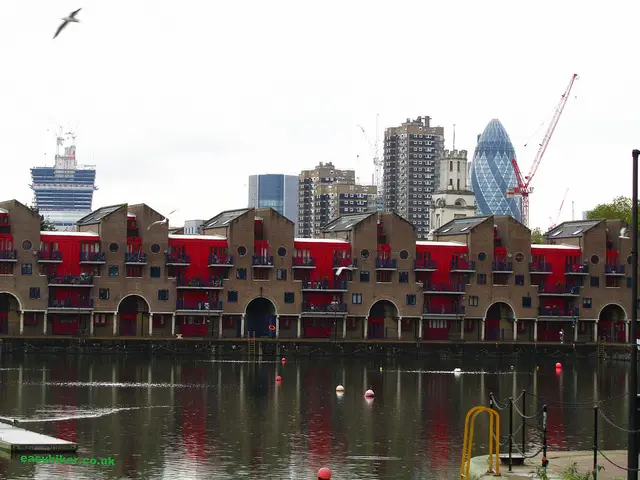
559,289
461,264
71,303
539,267
262,260
97,257
71,280
324,285
443,287
502,267
199,305
576,268
220,259
49,255
328,308
303,262
177,259
386,263
443,309
425,264
135,257
8,255
197,282
614,269
558,312
344,262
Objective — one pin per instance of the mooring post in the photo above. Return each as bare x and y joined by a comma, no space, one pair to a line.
491,400
595,443
544,431
524,420
510,432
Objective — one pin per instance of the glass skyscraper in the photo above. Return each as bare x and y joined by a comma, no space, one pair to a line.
491,173
276,191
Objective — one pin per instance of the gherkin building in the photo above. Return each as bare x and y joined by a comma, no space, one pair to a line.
491,173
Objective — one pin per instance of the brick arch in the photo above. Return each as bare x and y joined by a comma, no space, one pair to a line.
613,304
134,295
379,300
11,294
496,302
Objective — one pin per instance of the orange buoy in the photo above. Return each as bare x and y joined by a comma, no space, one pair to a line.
324,474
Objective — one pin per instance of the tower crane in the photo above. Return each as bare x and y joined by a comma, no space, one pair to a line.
553,224
377,161
524,188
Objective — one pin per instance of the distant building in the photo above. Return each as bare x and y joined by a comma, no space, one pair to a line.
276,191
410,176
491,173
453,199
193,227
325,193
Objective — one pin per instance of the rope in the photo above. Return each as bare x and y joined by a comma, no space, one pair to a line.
610,422
527,417
530,455
507,401
616,465
589,403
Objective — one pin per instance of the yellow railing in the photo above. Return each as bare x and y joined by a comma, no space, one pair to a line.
494,440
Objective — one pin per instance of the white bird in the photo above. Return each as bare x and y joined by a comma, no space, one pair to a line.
71,18
341,269
160,222
623,233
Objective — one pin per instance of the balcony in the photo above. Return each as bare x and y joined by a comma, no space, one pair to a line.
220,260
199,305
614,270
49,256
303,262
559,290
199,283
444,288
262,261
95,258
71,303
8,256
502,267
135,258
443,310
425,265
576,269
325,286
344,262
331,308
462,266
559,312
386,264
540,268
71,281
177,259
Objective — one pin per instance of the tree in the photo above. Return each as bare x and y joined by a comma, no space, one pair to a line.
618,209
537,236
45,225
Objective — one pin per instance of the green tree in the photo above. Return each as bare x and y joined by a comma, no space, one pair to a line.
45,225
537,236
618,209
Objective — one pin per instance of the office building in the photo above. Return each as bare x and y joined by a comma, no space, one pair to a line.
276,191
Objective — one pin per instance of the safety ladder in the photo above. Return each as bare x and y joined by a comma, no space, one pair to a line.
601,351
252,344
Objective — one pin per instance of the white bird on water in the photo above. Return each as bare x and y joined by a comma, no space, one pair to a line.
71,18
160,222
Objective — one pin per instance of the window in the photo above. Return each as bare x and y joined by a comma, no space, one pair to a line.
289,297
103,294
595,282
458,166
411,299
155,272
526,302
281,274
134,271
482,279
403,277
27,269
520,280
364,276
356,298
113,271
451,166
586,302
34,292
482,256
163,295
473,301
6,268
241,273
232,296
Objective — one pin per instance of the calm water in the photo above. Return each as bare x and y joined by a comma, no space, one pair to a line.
200,419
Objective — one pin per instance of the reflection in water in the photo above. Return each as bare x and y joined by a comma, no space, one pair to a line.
229,419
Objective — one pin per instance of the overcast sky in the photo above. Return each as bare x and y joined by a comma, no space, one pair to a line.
179,102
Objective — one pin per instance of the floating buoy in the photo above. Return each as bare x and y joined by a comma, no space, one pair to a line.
457,370
369,394
284,360
558,365
339,388
324,474
278,378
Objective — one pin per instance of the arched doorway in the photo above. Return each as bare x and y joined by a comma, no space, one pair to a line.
611,323
260,315
10,308
383,320
499,322
133,313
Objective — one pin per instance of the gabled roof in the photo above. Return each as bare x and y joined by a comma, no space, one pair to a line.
345,223
97,215
571,229
460,226
225,218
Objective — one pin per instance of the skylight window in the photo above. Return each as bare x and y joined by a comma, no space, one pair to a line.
577,232
465,229
447,230
557,233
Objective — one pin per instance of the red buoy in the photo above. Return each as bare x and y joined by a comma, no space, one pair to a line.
278,378
284,360
324,474
558,365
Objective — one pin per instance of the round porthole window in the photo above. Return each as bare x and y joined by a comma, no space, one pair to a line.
595,259
364,253
519,257
242,251
282,252
113,248
629,260
27,245
482,256
404,254
155,248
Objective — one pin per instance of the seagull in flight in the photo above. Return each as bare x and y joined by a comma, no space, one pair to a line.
160,222
71,18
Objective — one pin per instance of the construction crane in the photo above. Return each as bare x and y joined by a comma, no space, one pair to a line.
524,188
553,224
377,161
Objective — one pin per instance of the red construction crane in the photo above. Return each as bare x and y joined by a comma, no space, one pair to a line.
524,188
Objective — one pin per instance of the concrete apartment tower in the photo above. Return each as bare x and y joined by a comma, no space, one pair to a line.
453,199
411,153
325,193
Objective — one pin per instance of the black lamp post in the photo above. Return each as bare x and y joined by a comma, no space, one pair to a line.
632,452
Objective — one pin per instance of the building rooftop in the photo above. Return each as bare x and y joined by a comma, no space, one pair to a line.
571,229
555,247
345,223
320,240
97,215
225,218
459,226
431,243
70,234
196,237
